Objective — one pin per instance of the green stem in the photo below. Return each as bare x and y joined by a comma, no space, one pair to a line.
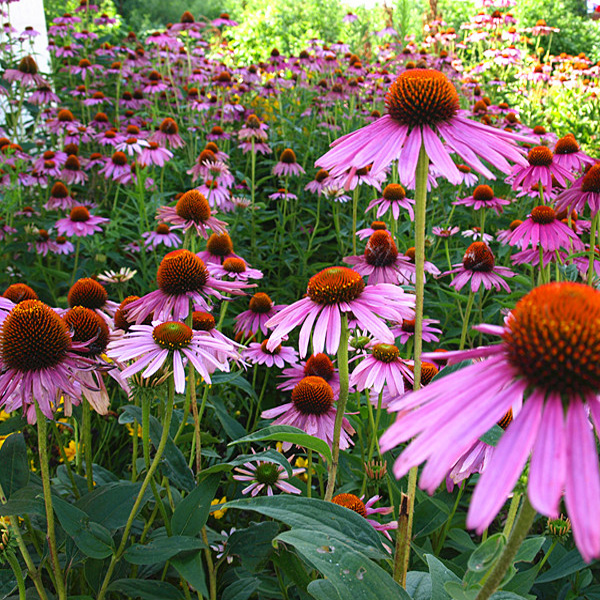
420,212
87,444
309,474
519,532
512,513
138,501
465,326
448,523
42,427
547,555
590,273
402,542
342,361
16,569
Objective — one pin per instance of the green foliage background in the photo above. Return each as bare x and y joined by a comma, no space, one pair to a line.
289,25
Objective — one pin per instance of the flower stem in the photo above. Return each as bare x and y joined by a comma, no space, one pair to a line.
420,212
342,361
149,474
520,530
42,427
465,326
309,474
16,569
402,542
594,231
512,513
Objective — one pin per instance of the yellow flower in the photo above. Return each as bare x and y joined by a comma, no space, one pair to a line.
4,415
303,464
71,450
130,429
219,513
2,438
279,446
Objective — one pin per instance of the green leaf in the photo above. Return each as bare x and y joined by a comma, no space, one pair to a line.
484,556
293,567
235,379
571,563
174,464
234,429
350,572
241,589
456,591
14,464
26,500
492,436
440,574
161,549
418,585
502,595
254,544
452,369
192,512
146,589
90,537
190,567
529,549
318,515
110,505
286,433
323,589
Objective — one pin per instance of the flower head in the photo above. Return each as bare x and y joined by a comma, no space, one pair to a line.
560,391
333,292
422,106
311,410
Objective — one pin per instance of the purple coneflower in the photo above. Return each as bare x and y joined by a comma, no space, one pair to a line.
266,476
192,211
260,309
369,231
116,167
287,164
569,155
39,360
482,198
316,365
561,402
356,504
381,262
161,235
336,291
219,248
445,232
311,410
259,354
585,191
422,105
234,268
182,278
154,155
383,367
26,73
541,169
173,343
394,197
479,267
80,223
406,330
168,134
543,228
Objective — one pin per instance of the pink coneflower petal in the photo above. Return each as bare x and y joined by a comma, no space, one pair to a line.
547,470
582,490
506,465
